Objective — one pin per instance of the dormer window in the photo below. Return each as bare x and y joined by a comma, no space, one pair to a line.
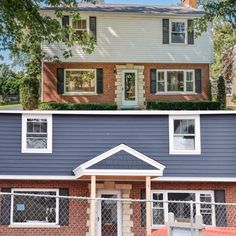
178,32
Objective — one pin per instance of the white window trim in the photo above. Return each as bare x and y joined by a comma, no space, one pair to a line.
80,93
175,92
12,224
24,148
170,31
197,150
197,195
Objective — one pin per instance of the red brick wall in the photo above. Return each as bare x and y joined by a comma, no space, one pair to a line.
50,82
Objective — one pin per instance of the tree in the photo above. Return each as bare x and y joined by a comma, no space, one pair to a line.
221,94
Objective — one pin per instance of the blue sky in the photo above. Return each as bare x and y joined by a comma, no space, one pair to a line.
147,2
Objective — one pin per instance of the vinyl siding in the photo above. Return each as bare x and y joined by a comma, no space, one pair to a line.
130,38
78,138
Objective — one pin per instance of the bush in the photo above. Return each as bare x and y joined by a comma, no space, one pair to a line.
29,93
77,106
221,94
183,105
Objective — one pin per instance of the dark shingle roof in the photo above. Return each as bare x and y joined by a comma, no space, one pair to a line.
140,9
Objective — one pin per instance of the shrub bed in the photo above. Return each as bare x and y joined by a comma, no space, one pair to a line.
183,105
76,106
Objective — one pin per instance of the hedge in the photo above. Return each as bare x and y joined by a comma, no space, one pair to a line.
77,106
183,105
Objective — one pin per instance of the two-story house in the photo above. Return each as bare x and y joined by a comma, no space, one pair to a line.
170,156
141,53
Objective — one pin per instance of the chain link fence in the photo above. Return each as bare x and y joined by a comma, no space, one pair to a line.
47,213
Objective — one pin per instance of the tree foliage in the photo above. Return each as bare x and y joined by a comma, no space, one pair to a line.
221,95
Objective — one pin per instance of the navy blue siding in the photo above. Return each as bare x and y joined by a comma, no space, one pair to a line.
77,139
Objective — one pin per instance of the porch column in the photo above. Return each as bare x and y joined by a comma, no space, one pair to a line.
148,205
93,206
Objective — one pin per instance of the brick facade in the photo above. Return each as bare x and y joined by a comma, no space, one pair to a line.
78,215
111,86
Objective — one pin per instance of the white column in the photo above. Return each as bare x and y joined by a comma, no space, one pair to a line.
93,206
148,205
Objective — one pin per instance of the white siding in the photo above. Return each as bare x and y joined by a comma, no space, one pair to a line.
136,38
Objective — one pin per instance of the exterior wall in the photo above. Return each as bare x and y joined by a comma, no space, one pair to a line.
113,83
79,225
137,38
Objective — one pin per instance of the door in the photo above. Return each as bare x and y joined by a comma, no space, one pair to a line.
129,88
109,214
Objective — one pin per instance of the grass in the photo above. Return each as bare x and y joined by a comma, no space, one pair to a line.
8,105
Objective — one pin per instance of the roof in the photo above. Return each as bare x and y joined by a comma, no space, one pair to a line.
136,9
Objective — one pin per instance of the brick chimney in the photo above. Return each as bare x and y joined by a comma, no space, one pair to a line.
189,3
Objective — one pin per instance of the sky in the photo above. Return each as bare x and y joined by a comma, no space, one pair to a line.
147,2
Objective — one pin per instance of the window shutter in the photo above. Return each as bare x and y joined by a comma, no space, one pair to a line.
64,207
93,27
5,207
190,33
198,81
60,80
165,31
65,23
153,81
143,208
99,80
220,211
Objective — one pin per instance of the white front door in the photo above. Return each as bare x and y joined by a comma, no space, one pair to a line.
129,88
109,214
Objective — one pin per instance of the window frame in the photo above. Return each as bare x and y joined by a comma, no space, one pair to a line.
24,148
197,197
165,81
26,224
80,93
81,18
197,150
186,35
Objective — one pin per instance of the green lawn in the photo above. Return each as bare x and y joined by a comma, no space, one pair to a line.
9,105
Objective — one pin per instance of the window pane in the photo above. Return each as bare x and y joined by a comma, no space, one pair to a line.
184,127
175,81
27,209
80,81
157,197
178,38
178,27
184,143
189,82
36,143
158,217
161,81
206,209
178,32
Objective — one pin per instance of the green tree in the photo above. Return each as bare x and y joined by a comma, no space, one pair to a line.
221,94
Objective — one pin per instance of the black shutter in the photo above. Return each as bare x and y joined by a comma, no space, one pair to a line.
93,27
64,207
143,207
5,207
190,32
165,31
99,80
220,210
153,81
198,81
60,80
65,23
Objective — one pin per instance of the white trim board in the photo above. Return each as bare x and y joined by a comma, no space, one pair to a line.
83,169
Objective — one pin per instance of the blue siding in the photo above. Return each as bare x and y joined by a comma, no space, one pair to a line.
77,139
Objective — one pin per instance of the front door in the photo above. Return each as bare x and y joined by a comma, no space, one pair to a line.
109,221
129,88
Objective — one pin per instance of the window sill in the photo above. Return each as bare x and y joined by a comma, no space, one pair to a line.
79,94
185,153
35,151
33,226
175,93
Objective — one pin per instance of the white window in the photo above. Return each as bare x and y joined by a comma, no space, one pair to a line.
178,202
80,81
80,26
37,133
178,30
34,210
175,81
184,134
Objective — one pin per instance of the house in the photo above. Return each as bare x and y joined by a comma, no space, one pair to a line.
168,155
142,53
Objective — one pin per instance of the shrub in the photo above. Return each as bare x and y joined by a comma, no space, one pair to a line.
183,105
221,94
29,93
77,106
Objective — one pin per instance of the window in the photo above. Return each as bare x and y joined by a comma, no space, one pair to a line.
80,26
228,87
178,31
184,134
80,81
175,81
164,202
37,133
33,210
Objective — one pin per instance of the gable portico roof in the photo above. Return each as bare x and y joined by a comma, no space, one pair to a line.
122,163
